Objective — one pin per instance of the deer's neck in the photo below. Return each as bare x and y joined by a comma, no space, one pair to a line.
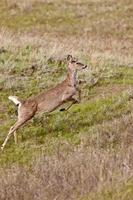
72,77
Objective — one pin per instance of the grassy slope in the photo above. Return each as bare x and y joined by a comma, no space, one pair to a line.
105,99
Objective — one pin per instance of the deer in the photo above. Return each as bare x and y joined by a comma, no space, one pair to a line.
48,101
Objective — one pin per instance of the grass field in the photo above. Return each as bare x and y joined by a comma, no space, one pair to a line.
86,152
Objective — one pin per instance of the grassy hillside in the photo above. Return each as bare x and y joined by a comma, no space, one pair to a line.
84,153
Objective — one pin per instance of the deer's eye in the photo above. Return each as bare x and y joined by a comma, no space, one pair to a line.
73,61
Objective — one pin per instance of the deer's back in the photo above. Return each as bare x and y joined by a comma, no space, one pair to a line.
51,99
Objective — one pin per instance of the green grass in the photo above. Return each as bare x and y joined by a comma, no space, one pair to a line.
42,135
59,125
122,76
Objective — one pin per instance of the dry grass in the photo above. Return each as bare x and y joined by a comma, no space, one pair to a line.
97,51
81,172
24,5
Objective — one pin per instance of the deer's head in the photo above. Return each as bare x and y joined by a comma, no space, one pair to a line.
74,64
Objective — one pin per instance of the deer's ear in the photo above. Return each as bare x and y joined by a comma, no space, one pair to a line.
69,58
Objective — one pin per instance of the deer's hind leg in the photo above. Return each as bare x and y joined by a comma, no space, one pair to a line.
24,114
12,130
15,137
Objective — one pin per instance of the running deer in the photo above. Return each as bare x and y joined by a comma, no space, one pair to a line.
48,101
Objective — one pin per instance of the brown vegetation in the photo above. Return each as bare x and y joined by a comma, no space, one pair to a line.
74,174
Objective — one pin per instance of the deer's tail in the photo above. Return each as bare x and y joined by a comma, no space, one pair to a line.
15,100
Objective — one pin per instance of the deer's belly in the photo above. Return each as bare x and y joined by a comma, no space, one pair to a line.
49,105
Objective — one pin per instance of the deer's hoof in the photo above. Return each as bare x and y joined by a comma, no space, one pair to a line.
62,109
2,148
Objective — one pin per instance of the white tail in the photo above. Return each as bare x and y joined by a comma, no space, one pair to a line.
15,100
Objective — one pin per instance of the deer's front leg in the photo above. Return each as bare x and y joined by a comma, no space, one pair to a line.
77,97
74,99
